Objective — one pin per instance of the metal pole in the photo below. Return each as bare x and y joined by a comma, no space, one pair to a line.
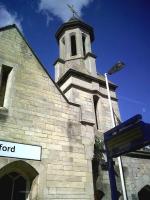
111,171
113,124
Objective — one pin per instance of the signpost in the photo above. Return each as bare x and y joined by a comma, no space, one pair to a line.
124,138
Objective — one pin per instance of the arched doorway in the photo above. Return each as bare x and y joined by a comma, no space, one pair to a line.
16,180
13,186
144,193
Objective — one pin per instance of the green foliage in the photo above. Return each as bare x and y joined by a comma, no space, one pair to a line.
98,148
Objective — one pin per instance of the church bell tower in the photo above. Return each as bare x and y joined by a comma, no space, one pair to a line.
77,77
74,38
76,74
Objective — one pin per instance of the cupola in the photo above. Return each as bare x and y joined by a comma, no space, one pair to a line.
74,38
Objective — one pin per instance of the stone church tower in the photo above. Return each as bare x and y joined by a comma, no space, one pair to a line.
77,77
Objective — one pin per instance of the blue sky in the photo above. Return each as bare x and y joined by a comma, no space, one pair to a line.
122,32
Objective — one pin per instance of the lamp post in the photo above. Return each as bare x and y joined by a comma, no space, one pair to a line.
117,67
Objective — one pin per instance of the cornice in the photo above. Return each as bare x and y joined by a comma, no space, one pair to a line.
72,72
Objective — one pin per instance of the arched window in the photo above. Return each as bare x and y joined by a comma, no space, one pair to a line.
83,44
73,45
4,74
15,180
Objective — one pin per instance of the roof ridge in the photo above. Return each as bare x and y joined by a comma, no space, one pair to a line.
8,27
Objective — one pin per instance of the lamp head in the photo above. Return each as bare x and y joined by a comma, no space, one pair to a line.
117,67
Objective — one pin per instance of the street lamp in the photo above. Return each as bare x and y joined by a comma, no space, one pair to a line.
117,67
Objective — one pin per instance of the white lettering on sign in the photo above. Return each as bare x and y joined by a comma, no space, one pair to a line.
17,150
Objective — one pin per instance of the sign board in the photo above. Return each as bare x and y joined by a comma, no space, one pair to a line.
17,150
126,137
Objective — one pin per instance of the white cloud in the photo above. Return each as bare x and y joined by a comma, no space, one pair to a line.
8,18
132,100
59,7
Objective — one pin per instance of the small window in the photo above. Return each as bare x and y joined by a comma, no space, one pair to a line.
95,101
73,45
83,43
63,47
4,73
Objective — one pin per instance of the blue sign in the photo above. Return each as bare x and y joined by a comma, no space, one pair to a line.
126,137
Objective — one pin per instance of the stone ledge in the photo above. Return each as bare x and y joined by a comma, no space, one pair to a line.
89,54
59,60
87,122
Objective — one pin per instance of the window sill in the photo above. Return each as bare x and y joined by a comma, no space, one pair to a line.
3,111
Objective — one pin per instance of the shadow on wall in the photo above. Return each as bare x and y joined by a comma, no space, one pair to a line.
98,195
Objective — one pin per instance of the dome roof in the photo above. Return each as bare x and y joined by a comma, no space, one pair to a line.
74,22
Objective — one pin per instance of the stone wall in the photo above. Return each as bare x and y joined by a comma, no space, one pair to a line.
39,114
81,90
137,175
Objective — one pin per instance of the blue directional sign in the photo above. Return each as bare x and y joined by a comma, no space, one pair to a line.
126,137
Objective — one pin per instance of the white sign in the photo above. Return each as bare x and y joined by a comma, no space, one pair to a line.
17,150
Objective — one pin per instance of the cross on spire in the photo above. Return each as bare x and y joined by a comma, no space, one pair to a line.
74,12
